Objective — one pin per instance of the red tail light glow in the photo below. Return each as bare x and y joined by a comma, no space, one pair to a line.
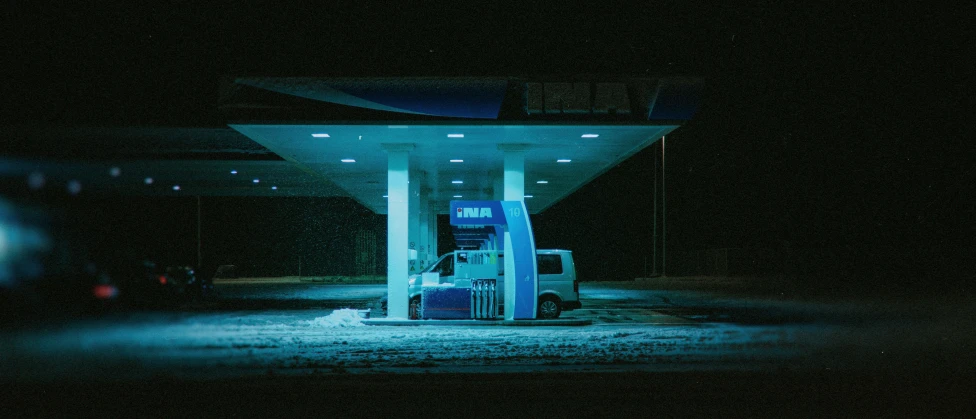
162,279
105,292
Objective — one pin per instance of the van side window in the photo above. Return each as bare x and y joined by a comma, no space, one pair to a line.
446,267
549,264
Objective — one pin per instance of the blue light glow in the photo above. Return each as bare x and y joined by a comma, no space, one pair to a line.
274,188
233,172
455,135
36,180
563,161
590,135
256,180
457,161
321,135
348,160
74,187
543,182
457,182
176,187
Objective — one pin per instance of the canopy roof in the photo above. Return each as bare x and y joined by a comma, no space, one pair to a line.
458,129
558,158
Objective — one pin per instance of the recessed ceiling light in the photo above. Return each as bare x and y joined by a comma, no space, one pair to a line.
543,182
256,180
457,182
457,196
590,135
455,135
563,161
348,160
457,161
233,172
321,135
528,196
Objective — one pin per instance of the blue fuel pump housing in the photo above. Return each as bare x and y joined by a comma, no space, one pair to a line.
513,218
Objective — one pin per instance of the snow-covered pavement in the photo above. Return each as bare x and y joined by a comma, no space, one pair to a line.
629,333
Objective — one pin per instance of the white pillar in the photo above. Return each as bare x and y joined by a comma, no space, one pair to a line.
413,223
433,232
423,236
514,182
398,169
515,175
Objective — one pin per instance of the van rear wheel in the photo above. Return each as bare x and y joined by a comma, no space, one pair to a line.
549,307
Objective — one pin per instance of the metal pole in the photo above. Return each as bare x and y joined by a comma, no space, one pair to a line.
664,213
199,245
654,264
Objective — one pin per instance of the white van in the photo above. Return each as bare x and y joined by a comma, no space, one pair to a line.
558,285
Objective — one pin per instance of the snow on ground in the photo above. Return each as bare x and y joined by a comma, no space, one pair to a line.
285,343
240,343
290,343
346,317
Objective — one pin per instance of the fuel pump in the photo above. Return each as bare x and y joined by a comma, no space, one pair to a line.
471,292
521,273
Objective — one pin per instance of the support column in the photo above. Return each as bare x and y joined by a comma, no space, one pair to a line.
514,182
423,244
433,232
398,176
514,175
413,224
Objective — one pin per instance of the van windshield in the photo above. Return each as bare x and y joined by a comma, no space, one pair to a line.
444,266
430,268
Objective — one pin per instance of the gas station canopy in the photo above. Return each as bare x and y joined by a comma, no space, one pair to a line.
457,130
457,161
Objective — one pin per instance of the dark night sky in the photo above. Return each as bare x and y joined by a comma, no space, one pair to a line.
822,126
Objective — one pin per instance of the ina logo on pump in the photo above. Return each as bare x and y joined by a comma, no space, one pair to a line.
473,212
